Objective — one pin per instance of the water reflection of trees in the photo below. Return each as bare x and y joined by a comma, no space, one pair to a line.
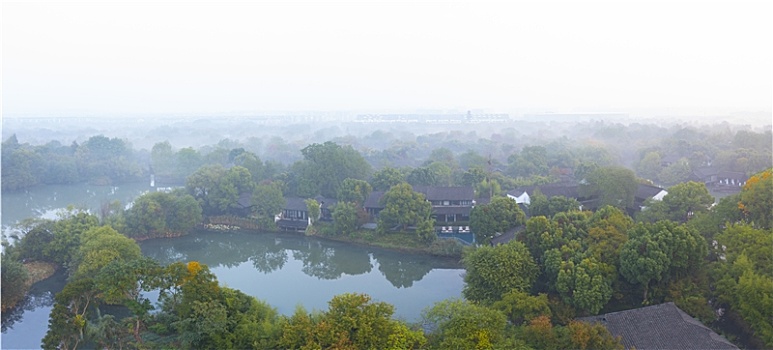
402,269
221,249
269,252
268,258
36,298
327,262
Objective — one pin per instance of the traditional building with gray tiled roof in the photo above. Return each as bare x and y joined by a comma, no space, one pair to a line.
662,326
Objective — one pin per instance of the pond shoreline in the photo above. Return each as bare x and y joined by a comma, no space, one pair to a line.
36,271
219,226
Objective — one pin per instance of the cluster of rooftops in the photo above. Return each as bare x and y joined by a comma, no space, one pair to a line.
451,206
662,326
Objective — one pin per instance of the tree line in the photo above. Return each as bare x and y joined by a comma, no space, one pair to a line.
512,157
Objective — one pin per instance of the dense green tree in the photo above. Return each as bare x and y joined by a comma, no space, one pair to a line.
345,218
537,235
757,199
494,271
443,173
352,321
423,176
163,159
326,166
157,214
520,307
539,333
687,247
607,234
384,179
268,201
675,173
35,243
404,207
442,155
253,164
496,217
711,223
755,301
615,186
644,257
425,230
21,166
146,217
587,285
471,159
541,205
237,180
354,191
188,161
584,335
736,240
123,281
649,166
202,185
531,161
104,160
488,188
460,324
184,213
743,276
257,324
473,176
681,203
106,332
60,169
67,231
659,251
218,190
67,321
314,209
101,245
217,155
14,281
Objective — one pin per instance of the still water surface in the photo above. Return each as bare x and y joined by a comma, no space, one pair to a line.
283,270
290,270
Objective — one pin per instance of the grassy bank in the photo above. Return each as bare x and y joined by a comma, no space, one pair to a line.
403,241
38,271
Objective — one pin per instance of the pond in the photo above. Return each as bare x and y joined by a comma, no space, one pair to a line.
46,201
290,270
282,269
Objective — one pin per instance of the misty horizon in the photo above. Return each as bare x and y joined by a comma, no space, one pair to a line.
646,60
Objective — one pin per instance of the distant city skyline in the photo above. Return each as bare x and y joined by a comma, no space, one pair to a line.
691,58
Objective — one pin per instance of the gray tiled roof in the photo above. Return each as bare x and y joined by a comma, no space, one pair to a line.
296,203
434,193
644,192
452,210
732,175
245,199
549,190
662,326
430,192
507,236
705,171
373,200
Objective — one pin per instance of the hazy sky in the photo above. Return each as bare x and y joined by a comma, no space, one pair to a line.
686,57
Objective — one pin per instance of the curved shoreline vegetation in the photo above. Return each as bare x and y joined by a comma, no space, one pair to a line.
562,264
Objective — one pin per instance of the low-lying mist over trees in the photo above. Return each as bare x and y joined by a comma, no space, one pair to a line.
586,216
70,150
